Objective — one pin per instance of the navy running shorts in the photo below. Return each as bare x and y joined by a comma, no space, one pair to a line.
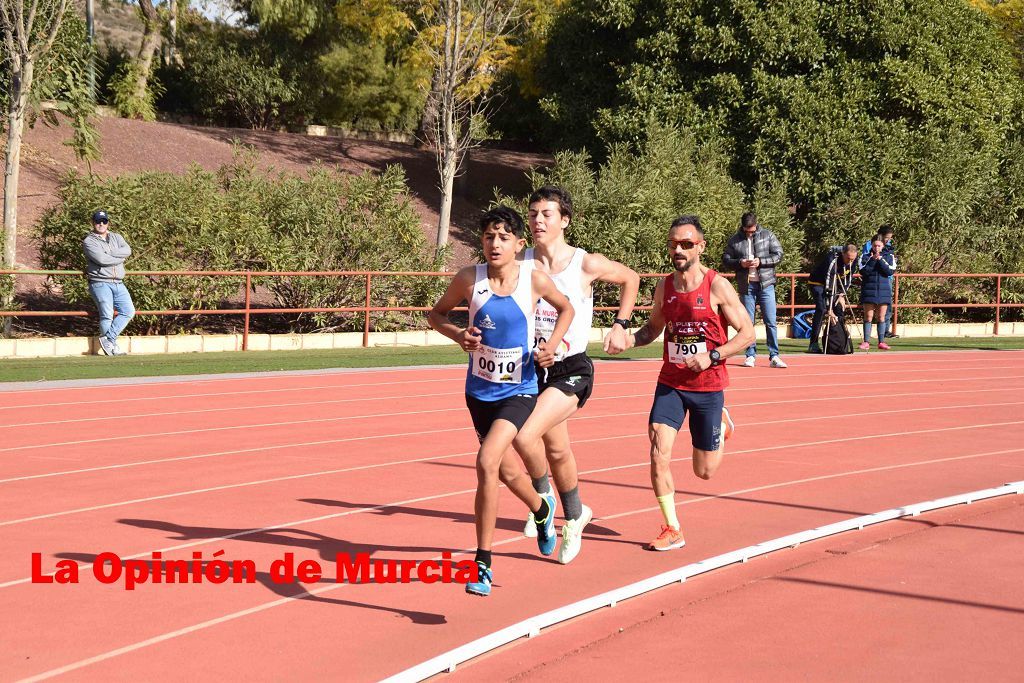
572,376
516,409
705,409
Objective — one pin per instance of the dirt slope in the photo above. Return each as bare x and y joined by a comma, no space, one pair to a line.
134,146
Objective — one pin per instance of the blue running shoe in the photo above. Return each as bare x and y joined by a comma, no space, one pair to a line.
482,586
546,536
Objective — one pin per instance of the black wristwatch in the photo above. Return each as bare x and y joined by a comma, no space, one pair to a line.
716,357
624,322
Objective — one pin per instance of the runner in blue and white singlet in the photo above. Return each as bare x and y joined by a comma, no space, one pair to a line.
503,364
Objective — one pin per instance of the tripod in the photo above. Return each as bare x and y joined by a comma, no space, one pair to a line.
838,290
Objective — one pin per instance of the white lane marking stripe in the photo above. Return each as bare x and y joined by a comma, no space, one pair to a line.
110,654
456,371
615,468
532,626
285,423
323,442
105,506
264,406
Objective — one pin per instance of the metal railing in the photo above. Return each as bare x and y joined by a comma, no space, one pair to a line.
368,309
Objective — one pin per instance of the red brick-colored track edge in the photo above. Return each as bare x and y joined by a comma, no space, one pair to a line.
382,462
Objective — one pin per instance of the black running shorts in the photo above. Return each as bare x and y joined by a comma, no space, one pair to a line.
515,409
572,376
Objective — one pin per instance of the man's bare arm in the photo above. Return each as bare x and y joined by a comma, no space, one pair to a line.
654,326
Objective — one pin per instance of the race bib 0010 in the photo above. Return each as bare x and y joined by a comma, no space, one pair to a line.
681,346
501,366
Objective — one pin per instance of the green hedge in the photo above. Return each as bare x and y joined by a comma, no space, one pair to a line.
241,218
624,207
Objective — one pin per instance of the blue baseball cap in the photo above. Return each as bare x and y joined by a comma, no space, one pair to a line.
100,217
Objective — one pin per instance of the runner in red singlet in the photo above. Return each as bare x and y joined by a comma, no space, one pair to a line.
693,307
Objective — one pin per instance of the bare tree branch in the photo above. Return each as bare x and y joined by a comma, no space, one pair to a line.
54,24
19,27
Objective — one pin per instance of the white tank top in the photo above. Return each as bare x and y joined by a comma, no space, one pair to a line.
569,283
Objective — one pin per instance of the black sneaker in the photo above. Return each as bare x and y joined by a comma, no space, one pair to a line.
890,335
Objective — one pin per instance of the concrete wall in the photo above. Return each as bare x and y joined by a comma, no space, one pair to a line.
78,346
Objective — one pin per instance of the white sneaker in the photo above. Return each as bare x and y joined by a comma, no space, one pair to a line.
572,536
530,529
777,362
749,361
117,350
106,346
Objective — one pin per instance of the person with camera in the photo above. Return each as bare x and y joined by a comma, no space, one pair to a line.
830,280
876,269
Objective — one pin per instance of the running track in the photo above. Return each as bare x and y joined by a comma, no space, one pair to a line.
382,462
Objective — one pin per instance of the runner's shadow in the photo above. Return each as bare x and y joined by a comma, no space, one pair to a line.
328,547
295,591
461,517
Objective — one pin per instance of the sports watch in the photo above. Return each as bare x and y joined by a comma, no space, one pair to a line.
716,357
624,322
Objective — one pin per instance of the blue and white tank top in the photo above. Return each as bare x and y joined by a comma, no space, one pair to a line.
569,283
503,366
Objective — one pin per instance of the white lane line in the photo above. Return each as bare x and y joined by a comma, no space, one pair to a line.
905,357
394,397
615,468
207,430
532,626
105,506
126,437
170,635
743,374
290,445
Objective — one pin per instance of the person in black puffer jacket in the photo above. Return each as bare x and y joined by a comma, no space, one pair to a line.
876,290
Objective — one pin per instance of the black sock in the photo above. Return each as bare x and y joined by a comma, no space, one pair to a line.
484,557
541,515
572,508
541,485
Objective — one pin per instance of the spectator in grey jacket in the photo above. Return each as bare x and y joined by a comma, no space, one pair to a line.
752,253
105,254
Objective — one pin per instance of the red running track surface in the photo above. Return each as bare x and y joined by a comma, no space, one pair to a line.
382,462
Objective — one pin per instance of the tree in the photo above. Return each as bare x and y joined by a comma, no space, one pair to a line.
1009,16
469,46
27,37
138,75
812,92
353,63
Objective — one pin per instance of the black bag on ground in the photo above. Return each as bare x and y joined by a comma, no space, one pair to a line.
838,341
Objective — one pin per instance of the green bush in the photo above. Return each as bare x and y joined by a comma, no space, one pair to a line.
955,210
242,219
225,78
625,205
127,103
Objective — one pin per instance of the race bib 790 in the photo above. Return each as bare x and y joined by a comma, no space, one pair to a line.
681,346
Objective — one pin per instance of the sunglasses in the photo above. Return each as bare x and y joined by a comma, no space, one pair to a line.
687,245
100,222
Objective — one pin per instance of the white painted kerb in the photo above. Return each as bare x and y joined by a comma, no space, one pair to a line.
532,627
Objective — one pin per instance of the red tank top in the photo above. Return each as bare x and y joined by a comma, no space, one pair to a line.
691,326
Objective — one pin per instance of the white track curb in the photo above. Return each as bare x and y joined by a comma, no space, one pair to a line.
532,627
